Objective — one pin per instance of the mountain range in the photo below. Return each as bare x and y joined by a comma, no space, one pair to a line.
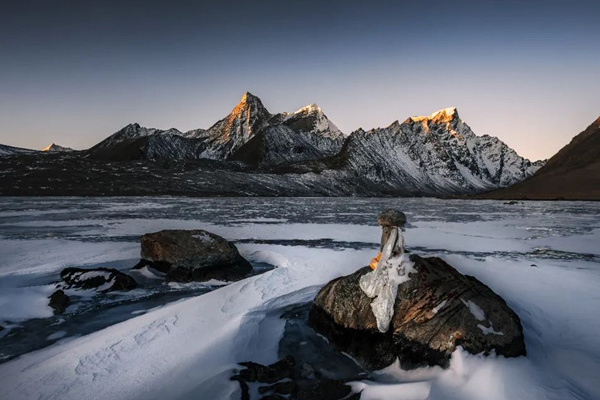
254,152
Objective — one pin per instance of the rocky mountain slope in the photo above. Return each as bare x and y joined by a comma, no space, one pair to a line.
572,174
434,155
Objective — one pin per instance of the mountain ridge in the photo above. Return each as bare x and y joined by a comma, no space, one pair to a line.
254,152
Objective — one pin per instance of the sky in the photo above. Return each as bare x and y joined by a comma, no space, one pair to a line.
74,72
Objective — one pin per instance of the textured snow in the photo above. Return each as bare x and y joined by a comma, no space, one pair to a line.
189,349
18,304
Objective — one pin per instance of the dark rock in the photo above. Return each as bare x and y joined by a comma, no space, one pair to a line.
325,389
193,255
273,397
391,218
435,311
59,301
255,372
286,382
100,279
287,387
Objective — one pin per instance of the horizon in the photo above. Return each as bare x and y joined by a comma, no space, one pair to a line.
76,73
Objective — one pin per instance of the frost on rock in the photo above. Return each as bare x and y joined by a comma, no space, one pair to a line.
382,283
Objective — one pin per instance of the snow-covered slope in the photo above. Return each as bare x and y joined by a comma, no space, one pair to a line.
135,142
6,150
434,154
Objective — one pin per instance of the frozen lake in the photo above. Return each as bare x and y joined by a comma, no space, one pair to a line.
543,258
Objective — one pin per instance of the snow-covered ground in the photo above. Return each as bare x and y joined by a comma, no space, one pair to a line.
542,257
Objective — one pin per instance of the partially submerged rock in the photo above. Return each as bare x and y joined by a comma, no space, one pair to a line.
285,381
59,301
99,279
436,310
193,255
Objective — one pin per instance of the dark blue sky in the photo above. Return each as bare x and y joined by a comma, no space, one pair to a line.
73,72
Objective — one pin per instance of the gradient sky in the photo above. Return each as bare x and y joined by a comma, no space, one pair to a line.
74,72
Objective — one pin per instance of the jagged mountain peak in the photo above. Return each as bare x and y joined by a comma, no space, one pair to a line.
53,147
445,115
249,101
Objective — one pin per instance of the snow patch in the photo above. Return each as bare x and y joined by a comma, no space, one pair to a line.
475,310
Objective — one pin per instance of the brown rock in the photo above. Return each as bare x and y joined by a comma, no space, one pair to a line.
391,217
193,255
435,311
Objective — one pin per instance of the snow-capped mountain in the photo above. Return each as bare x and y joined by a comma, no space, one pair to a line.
250,133
54,148
304,135
434,154
229,134
254,152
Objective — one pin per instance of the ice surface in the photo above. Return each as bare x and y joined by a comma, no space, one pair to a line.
541,257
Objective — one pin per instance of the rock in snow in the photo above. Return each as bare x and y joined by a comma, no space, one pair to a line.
59,301
436,310
99,279
193,255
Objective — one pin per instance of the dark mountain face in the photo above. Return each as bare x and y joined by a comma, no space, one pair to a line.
572,173
305,135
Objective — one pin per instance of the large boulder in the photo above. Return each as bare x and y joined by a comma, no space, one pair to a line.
99,279
193,255
436,310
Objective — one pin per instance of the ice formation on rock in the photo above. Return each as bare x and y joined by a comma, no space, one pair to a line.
382,283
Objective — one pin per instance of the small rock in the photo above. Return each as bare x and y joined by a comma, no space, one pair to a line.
287,387
100,279
325,389
255,372
193,255
391,218
59,301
